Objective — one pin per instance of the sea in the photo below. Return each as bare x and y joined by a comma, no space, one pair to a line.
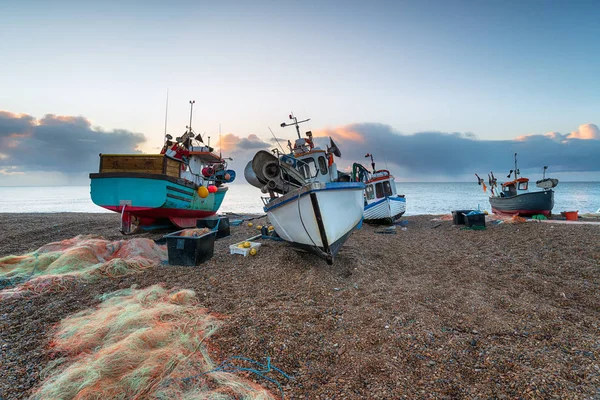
421,198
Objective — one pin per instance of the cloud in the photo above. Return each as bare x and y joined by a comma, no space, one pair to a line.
233,143
241,149
61,144
452,154
586,132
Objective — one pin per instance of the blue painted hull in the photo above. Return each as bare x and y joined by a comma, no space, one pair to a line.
152,197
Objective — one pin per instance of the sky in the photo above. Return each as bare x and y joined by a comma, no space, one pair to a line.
437,90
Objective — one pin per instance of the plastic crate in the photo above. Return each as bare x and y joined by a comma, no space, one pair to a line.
458,217
190,250
220,223
475,220
234,249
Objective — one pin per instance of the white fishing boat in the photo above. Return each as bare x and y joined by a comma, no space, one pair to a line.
382,203
308,204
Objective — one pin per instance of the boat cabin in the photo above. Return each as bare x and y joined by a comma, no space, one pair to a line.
312,162
513,188
380,185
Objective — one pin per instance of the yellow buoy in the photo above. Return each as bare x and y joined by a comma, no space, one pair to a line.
250,224
247,244
203,192
271,227
240,246
253,252
259,227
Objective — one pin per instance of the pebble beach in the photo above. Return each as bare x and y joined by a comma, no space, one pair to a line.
430,311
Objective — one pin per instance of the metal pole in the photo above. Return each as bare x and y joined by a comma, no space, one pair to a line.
191,111
297,127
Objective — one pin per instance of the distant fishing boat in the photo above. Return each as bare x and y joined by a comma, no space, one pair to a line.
514,197
308,205
382,204
183,183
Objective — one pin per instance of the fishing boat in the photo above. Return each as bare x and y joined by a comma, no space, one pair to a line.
382,203
514,198
308,203
183,183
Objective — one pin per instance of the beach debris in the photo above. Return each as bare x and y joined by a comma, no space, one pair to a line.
391,230
246,247
85,257
146,343
539,217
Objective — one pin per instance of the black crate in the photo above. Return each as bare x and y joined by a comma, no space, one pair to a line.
458,217
475,220
190,250
222,224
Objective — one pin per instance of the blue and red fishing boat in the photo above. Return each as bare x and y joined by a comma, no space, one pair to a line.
183,183
514,198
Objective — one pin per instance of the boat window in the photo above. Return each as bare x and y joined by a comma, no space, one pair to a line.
387,188
308,168
370,193
394,189
379,190
523,185
510,190
323,165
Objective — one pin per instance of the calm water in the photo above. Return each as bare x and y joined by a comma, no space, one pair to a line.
421,198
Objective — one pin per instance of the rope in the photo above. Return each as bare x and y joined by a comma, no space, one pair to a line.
302,221
17,280
228,366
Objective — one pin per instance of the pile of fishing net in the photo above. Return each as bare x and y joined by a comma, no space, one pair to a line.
139,344
54,266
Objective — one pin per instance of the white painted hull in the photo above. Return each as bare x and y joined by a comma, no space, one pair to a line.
389,208
295,216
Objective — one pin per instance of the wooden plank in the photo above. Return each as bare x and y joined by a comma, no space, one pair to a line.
127,162
173,172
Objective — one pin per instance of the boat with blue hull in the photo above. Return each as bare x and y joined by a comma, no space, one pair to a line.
182,184
382,203
309,205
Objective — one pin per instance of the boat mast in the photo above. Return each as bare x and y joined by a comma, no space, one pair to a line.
296,122
516,170
166,114
191,111
372,162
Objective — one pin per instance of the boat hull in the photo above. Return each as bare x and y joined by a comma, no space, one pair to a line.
153,198
386,210
318,217
526,204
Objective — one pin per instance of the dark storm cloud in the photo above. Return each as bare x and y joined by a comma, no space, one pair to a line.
14,124
58,143
437,153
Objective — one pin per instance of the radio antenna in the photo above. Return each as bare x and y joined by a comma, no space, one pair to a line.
166,114
279,144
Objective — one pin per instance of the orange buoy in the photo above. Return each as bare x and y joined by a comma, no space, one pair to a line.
203,192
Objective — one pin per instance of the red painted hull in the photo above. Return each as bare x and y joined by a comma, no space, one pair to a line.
161,213
522,213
